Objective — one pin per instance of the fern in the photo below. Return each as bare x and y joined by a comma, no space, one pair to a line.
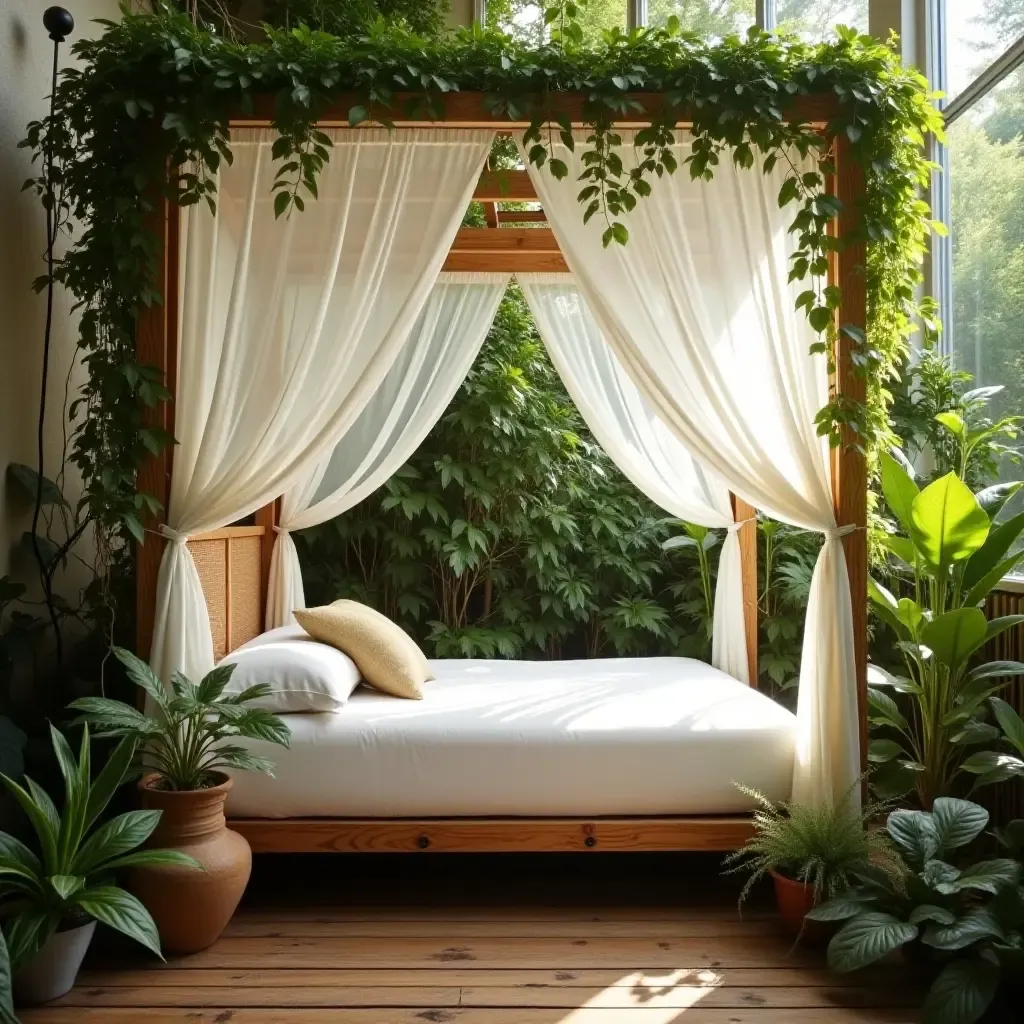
820,846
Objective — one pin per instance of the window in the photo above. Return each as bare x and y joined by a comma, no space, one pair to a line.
815,19
711,18
983,309
524,19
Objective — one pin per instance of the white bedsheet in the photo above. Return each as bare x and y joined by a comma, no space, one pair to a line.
624,736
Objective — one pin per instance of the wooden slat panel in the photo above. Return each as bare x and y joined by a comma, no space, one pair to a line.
210,557
521,216
505,240
470,110
267,518
508,186
479,835
246,590
506,262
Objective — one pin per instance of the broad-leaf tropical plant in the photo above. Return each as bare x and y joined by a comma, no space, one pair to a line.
968,919
185,743
951,552
71,877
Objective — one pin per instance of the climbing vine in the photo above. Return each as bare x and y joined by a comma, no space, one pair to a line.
157,91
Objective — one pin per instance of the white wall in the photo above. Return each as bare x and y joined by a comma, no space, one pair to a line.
26,53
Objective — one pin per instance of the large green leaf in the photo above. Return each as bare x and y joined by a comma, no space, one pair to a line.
997,668
987,876
111,775
882,710
26,932
962,992
142,675
947,523
15,849
6,1001
954,636
121,911
867,938
114,717
114,838
992,499
882,750
977,594
915,834
899,490
44,829
16,875
957,822
842,908
1010,721
993,766
213,683
66,885
154,858
998,543
929,912
1003,623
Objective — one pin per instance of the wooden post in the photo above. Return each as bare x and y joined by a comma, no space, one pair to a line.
849,471
267,517
741,512
156,344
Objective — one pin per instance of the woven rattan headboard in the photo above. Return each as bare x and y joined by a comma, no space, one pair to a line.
230,564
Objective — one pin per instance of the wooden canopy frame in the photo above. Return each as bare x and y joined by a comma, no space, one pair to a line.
505,249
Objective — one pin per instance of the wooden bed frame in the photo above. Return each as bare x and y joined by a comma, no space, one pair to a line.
233,562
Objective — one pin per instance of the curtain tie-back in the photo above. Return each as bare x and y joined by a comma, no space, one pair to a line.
737,526
280,529
172,535
839,531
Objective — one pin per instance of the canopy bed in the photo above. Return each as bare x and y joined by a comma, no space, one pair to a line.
302,379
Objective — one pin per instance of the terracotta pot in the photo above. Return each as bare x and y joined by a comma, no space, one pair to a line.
51,973
794,900
191,908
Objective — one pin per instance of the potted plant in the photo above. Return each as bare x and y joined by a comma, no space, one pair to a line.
938,715
54,899
811,853
185,747
965,919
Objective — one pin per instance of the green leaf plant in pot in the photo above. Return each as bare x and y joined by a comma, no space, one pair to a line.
811,854
932,721
186,745
52,899
962,918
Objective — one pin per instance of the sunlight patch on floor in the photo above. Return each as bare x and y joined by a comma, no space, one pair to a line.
674,993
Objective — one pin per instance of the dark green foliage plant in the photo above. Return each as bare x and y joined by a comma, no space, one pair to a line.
510,532
157,91
185,742
963,915
70,880
931,719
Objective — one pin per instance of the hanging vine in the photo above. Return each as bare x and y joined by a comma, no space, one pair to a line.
157,91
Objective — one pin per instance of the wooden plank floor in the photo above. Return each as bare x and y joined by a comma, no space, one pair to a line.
488,966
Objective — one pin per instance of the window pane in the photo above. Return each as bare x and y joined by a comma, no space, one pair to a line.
713,18
986,152
815,19
524,19
976,34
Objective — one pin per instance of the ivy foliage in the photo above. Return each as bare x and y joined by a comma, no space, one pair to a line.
157,91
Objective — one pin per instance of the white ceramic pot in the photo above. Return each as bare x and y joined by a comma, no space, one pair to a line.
52,971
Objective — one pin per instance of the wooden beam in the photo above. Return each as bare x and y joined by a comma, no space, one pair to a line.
505,263
471,110
522,217
849,480
491,835
741,512
512,240
156,344
505,186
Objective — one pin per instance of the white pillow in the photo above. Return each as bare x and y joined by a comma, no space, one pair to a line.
303,675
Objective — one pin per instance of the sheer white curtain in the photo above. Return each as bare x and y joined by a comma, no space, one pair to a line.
287,327
698,310
414,394
640,444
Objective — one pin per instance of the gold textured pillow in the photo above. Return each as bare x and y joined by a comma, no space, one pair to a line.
386,656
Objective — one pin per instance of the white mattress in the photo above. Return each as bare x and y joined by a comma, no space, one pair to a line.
627,736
